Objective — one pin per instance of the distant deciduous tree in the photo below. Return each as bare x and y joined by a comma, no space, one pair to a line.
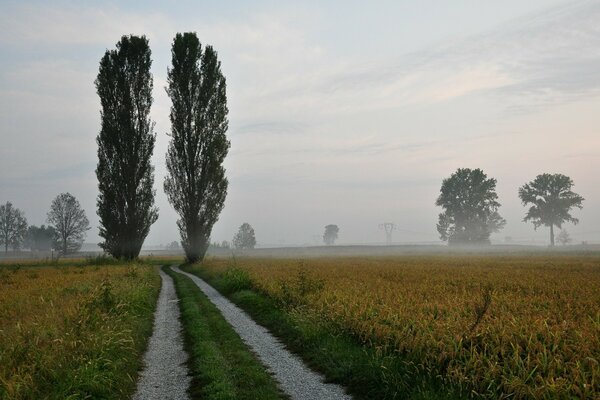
196,184
13,227
563,237
174,245
69,222
331,234
470,206
125,145
551,200
245,238
39,238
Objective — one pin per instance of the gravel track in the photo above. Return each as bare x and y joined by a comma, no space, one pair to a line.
165,375
295,378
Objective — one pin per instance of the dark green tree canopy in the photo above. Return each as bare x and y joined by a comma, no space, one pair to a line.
470,206
125,145
331,234
69,222
245,238
39,238
551,200
13,227
196,184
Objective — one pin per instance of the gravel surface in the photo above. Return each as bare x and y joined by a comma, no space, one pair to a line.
295,378
165,375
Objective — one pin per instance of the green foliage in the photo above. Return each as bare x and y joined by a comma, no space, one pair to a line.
367,372
39,238
551,200
75,333
331,234
244,238
470,206
13,227
68,223
196,184
125,145
221,364
236,279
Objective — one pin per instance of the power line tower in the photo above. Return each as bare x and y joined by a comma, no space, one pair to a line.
388,227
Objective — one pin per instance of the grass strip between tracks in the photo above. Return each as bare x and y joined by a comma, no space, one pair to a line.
221,365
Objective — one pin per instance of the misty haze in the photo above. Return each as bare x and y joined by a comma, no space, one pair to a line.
396,200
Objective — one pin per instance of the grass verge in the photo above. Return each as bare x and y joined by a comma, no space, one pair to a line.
222,367
366,372
74,332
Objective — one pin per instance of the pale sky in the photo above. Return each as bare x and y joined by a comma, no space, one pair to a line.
348,112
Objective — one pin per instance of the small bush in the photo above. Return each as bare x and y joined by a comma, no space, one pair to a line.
236,279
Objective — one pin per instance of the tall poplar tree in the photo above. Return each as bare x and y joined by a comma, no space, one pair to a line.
196,184
125,144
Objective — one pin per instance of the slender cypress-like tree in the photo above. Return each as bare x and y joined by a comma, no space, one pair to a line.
125,144
196,184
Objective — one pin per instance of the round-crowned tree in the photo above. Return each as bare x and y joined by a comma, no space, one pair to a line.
245,238
69,223
551,200
13,227
331,234
470,206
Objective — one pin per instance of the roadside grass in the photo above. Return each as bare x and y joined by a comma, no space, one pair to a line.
365,371
74,332
222,366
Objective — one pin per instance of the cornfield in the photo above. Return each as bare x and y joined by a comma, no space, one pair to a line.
494,326
73,332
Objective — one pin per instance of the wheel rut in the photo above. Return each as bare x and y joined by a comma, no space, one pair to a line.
295,378
165,375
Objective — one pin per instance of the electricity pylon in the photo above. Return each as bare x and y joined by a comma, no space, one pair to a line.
388,227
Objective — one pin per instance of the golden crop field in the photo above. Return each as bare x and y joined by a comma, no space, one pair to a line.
74,332
497,326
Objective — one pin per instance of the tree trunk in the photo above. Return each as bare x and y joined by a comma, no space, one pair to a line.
552,235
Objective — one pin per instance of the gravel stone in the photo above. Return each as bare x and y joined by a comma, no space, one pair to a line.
294,377
165,375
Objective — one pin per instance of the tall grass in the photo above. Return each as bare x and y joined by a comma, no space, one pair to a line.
493,326
74,332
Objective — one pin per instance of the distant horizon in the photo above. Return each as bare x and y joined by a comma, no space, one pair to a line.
340,113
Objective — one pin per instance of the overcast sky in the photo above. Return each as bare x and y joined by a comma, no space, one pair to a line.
346,112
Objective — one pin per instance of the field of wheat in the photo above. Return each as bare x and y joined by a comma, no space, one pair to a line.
494,326
74,332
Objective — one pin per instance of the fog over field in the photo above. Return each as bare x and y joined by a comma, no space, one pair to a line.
348,113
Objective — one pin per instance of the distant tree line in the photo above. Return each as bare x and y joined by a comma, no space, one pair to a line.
65,233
